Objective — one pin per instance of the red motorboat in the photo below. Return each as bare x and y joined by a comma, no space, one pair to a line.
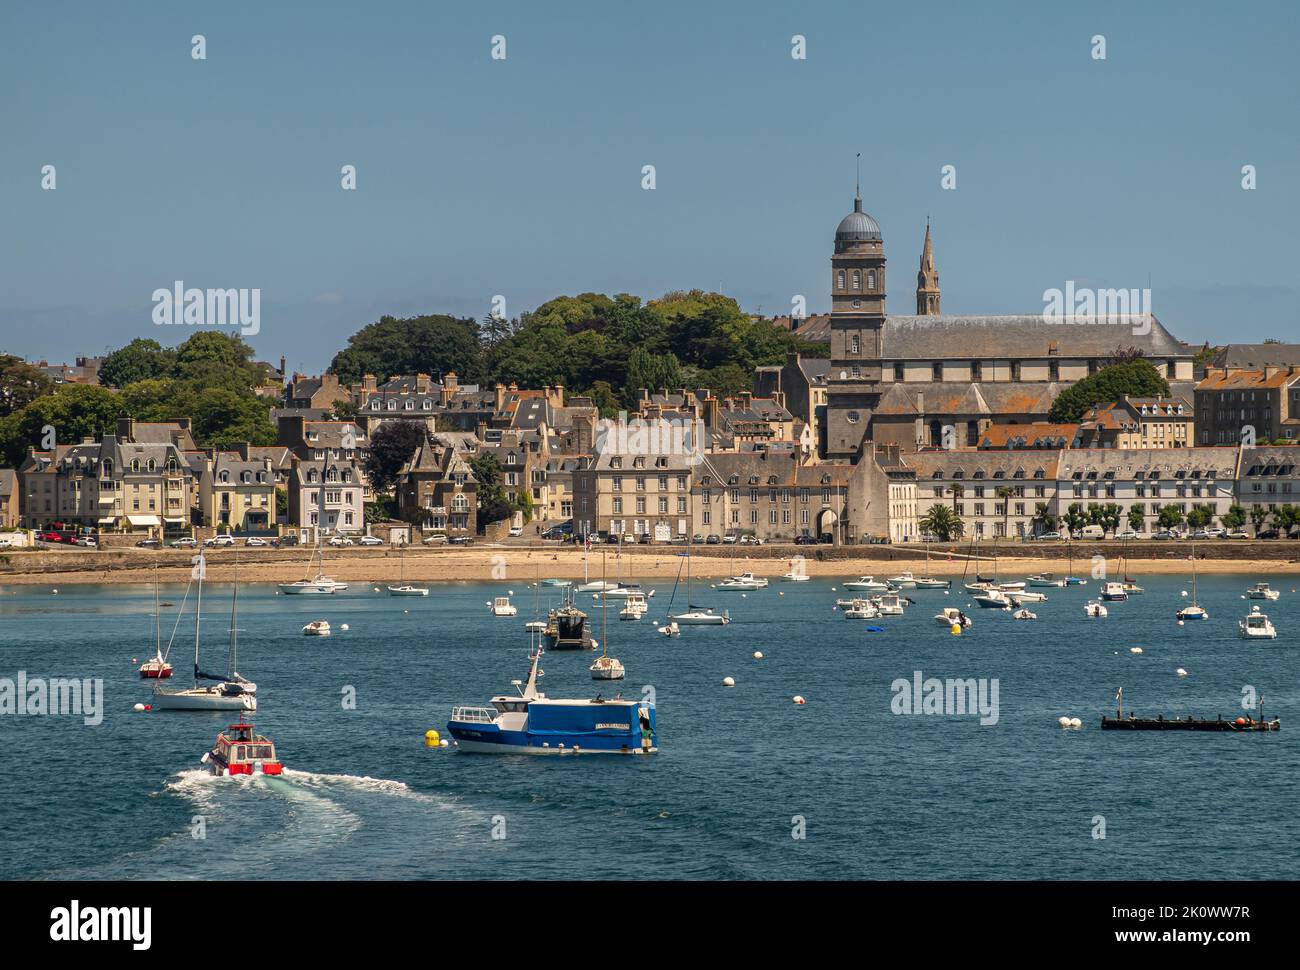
239,751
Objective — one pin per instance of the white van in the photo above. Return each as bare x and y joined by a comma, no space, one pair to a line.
1092,532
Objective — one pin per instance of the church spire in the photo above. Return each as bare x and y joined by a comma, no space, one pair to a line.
927,280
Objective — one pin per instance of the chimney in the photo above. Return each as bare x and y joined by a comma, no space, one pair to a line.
423,383
126,429
711,411
369,382
284,364
559,395
746,400
501,397
1271,371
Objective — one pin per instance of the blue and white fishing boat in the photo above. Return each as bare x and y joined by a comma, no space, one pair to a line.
532,723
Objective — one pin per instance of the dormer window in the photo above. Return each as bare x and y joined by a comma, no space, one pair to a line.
224,477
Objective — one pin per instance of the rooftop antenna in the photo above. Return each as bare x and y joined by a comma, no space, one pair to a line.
857,178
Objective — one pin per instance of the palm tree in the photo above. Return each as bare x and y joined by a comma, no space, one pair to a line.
942,523
1043,520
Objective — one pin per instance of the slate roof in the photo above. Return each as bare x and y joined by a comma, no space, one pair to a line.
1015,337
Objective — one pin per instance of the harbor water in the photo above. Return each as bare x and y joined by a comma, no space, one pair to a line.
746,785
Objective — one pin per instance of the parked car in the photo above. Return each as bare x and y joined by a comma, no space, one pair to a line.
826,539
1126,534
679,540
803,540
255,541
371,541
1267,534
748,540
1165,534
729,539
341,541
1237,534
644,539
185,542
1051,536
148,544
555,532
698,537
437,539
290,540
712,540
222,540
86,541
460,540
516,531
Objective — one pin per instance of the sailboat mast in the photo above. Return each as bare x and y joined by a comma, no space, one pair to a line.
234,621
198,612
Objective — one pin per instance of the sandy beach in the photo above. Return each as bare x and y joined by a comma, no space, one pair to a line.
523,564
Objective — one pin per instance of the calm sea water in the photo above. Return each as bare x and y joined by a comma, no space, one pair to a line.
881,795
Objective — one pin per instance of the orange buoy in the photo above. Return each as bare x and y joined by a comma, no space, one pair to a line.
1241,720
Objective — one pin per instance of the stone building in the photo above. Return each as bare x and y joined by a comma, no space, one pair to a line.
1248,405
923,372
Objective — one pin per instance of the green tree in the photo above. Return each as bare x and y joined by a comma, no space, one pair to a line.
1259,516
1169,517
1137,519
942,523
1076,518
391,447
74,412
1234,518
1043,520
1110,517
430,344
524,504
1200,516
140,360
1136,377
20,384
493,506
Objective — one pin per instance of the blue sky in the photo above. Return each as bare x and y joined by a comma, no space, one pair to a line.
523,177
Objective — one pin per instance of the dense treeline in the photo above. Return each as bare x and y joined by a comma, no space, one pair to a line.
607,347
210,378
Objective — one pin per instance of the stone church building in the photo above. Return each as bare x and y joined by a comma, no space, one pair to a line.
904,379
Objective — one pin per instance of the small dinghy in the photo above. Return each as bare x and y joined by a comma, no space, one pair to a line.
317,628
1024,614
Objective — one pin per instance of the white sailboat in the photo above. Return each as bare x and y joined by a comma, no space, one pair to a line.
694,615
403,588
1195,611
927,581
230,692
589,585
606,667
795,575
318,585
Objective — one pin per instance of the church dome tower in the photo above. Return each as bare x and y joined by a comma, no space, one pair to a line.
927,280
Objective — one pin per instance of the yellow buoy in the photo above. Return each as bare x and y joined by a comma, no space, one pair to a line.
956,629
431,739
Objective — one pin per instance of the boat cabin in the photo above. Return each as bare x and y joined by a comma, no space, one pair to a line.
239,750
